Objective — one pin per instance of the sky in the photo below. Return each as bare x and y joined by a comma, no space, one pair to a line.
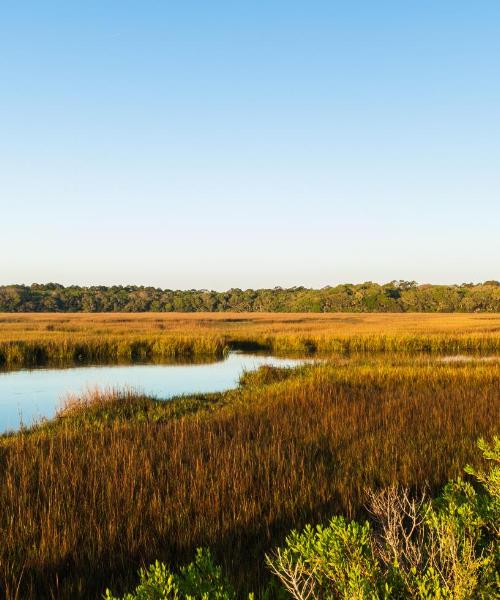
249,144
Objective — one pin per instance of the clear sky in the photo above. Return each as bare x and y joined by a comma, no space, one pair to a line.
249,144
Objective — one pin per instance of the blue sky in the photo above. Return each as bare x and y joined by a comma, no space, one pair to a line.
249,144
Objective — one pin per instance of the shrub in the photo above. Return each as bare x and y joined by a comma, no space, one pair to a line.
442,549
200,580
336,561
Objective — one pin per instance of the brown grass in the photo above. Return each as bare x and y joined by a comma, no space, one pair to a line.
83,508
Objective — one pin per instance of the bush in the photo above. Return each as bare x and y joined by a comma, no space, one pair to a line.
200,580
417,549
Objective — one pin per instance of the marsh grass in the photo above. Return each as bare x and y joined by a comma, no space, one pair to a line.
267,374
35,339
97,409
85,500
106,348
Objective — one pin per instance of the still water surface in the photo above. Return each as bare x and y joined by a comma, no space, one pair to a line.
28,395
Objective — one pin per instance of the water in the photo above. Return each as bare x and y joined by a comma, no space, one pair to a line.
460,358
27,396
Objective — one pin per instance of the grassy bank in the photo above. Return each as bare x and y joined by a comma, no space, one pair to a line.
122,481
34,339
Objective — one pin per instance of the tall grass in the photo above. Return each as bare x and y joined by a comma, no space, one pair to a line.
82,507
18,353
107,348
37,339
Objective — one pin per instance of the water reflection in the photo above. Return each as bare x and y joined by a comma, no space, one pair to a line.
28,395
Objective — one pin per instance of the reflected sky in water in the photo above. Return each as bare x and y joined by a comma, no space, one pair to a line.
28,395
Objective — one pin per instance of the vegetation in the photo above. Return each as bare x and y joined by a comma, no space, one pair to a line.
31,339
120,481
396,296
200,579
414,549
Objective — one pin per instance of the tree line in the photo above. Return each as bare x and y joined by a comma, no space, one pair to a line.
396,296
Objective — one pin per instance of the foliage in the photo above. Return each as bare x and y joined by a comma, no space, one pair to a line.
423,550
200,580
335,561
395,296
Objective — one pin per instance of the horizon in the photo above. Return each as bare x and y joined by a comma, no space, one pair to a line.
243,146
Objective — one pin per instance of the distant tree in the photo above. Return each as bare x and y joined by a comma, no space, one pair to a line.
395,296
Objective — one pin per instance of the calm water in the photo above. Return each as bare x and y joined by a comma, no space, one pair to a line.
26,396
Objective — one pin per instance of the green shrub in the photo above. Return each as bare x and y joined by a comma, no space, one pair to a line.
418,549
200,580
336,561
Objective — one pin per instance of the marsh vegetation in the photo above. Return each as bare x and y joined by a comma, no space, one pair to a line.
116,482
34,339
29,395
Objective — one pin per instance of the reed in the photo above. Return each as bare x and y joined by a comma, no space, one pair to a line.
106,349
82,506
37,339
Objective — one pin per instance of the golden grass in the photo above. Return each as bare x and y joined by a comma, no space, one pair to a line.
121,480
35,338
25,324
83,507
